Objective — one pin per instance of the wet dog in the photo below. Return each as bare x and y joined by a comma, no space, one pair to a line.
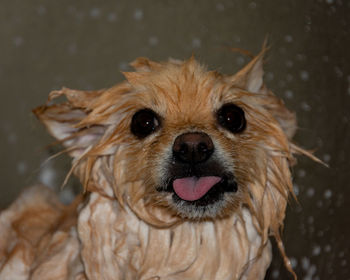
186,175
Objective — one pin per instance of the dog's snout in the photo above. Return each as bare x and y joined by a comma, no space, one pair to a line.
193,147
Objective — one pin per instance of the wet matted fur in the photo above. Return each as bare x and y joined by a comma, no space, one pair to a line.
128,225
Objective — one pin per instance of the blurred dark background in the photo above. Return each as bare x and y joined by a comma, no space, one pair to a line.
85,44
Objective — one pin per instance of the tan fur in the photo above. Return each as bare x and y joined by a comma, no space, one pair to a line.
125,229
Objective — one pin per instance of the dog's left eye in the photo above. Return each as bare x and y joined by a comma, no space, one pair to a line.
231,117
144,122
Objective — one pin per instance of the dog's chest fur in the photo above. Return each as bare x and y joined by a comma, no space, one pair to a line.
110,243
124,247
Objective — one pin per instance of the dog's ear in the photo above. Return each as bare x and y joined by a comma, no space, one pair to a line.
250,77
67,121
143,64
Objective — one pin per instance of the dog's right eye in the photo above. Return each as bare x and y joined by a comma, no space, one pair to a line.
144,122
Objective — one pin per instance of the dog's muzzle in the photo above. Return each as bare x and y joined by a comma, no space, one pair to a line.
194,176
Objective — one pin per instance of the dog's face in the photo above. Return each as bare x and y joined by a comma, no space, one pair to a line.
199,144
193,132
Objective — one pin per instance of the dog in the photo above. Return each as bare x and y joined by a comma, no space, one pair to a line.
186,175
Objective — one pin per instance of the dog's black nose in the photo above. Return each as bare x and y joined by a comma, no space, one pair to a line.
193,147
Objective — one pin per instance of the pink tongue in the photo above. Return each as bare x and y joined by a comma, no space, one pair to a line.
193,188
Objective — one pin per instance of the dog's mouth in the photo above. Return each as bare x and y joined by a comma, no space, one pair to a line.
200,191
193,188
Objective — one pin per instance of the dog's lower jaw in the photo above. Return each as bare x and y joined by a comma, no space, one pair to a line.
125,247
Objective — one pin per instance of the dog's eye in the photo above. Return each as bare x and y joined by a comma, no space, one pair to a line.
231,117
144,122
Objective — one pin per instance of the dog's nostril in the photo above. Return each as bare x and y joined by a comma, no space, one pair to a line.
202,148
183,149
193,147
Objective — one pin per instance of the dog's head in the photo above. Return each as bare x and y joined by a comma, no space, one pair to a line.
194,143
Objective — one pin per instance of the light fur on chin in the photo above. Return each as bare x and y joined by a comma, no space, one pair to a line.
124,229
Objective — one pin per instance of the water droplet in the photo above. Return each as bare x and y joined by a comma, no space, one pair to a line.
281,83
138,14
304,75
327,194
240,60
316,250
289,77
269,76
301,173
288,38
22,167
300,57
296,189
72,48
327,248
95,13
325,58
196,43
153,40
311,271
307,28
66,196
306,107
293,262
275,274
282,50
305,263
310,219
41,10
18,41
289,63
252,5
123,66
289,94
326,157
12,138
338,72
220,7
310,192
112,17
47,175
308,20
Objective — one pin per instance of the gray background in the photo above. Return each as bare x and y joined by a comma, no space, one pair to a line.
45,45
